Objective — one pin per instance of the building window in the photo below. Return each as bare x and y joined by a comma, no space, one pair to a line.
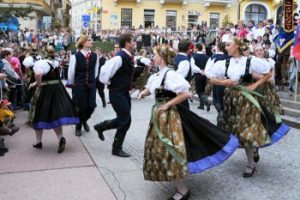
214,20
126,17
279,15
171,19
256,12
193,16
149,18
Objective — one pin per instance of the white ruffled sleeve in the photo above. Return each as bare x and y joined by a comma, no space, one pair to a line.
176,83
28,61
260,66
41,67
215,70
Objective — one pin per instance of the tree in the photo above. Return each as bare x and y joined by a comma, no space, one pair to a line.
10,12
226,20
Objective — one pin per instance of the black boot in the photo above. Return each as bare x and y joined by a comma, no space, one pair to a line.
219,107
78,132
103,126
86,127
103,101
117,146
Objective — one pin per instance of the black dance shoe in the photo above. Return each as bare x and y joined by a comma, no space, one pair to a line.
13,130
38,145
120,153
249,174
99,128
256,155
61,146
208,107
185,196
201,107
3,149
86,127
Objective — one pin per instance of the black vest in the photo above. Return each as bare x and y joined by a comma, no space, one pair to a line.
200,60
178,58
53,74
122,79
85,71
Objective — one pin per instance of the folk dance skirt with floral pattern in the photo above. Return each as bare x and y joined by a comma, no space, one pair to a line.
179,142
253,127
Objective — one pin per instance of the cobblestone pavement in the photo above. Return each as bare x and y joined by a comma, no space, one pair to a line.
277,176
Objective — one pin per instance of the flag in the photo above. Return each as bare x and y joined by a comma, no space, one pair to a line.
296,49
284,40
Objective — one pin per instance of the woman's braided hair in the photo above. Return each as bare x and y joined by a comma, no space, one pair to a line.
166,53
240,43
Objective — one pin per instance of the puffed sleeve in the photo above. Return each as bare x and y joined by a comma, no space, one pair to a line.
28,61
216,70
41,67
150,83
176,83
260,66
272,62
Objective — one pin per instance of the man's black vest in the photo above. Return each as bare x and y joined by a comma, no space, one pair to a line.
178,58
122,79
85,71
200,60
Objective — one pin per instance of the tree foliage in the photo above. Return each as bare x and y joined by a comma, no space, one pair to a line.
226,20
10,11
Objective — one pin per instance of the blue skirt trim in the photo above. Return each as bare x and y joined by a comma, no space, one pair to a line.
278,134
216,159
56,123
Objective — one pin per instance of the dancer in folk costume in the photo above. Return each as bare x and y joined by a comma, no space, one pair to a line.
271,101
183,64
53,106
117,74
100,86
82,74
179,142
244,114
199,60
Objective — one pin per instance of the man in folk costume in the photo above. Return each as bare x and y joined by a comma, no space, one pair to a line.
117,73
100,86
83,69
199,60
183,65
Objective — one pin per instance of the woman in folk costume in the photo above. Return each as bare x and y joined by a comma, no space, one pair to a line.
53,106
179,142
271,101
244,114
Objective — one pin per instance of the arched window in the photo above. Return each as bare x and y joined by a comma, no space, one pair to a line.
256,12
279,15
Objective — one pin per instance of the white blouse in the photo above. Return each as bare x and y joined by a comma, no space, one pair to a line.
173,81
42,66
237,67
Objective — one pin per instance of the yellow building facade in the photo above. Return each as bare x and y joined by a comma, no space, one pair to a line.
182,13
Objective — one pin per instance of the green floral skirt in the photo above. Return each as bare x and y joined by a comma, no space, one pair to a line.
244,119
159,164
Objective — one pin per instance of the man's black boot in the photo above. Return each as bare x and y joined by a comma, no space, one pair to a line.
103,126
117,146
